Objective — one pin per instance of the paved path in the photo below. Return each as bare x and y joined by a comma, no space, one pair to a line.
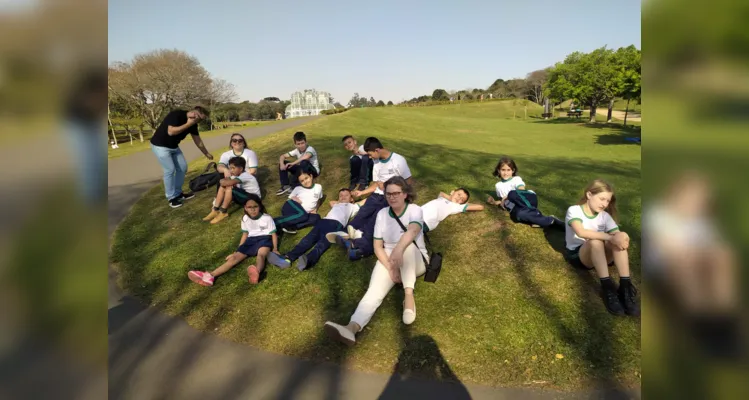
155,356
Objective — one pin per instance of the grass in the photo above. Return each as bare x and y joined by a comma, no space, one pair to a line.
126,148
507,310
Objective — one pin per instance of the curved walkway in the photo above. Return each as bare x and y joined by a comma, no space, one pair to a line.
155,356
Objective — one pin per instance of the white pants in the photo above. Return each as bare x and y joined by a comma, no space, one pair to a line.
380,283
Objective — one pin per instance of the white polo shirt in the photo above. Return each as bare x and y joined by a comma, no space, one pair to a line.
249,157
311,150
309,197
343,212
440,208
601,222
395,165
261,226
504,187
248,183
361,152
388,230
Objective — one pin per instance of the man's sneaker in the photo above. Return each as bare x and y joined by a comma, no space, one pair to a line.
220,217
279,261
351,232
253,274
175,202
201,278
362,187
332,235
340,333
352,187
628,298
187,196
283,189
301,263
289,231
611,301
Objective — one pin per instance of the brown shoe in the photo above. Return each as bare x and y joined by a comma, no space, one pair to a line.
211,216
221,216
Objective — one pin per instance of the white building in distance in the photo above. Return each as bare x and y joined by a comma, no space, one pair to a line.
308,102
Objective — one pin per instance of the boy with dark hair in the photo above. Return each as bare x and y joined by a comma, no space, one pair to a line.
360,164
387,164
235,188
306,160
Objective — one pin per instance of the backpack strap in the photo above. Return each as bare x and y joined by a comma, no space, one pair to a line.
426,263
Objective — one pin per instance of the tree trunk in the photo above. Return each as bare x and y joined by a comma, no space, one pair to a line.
611,108
114,136
592,112
626,111
127,129
140,133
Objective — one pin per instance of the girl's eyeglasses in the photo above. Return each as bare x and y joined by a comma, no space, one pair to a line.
393,195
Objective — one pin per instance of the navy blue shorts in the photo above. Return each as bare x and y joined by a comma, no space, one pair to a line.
253,244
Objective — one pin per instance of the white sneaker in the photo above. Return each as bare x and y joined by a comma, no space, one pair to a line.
354,233
332,235
409,316
340,333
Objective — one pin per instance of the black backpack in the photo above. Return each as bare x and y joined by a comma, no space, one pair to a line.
206,179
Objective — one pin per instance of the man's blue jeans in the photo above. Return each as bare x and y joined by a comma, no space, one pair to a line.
175,167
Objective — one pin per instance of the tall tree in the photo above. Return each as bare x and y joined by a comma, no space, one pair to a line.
440,95
355,101
588,77
219,92
390,102
535,84
156,82
371,102
380,103
629,70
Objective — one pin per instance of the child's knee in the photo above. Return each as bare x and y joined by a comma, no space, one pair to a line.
596,244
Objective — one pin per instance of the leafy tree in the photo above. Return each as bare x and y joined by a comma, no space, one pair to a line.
534,84
390,103
590,77
380,104
440,95
272,99
629,70
498,85
371,102
338,105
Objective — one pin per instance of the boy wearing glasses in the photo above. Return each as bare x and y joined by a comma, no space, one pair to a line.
387,164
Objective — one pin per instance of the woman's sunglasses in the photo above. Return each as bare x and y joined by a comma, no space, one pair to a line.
237,140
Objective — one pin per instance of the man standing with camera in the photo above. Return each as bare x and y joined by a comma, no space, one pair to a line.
165,145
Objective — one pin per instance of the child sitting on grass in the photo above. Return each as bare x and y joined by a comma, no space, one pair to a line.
258,239
237,188
301,208
340,213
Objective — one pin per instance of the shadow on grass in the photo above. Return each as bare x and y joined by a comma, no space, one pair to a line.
584,122
557,180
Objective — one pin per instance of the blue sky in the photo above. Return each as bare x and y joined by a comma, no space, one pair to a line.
389,50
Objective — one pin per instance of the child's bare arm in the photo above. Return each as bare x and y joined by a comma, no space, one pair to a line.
332,203
244,237
474,207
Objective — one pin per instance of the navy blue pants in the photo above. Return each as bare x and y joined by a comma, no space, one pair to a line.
361,170
295,171
294,217
522,215
365,222
316,241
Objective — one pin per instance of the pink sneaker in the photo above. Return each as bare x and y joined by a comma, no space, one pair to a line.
201,278
254,274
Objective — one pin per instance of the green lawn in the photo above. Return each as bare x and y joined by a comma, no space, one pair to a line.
126,148
507,310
